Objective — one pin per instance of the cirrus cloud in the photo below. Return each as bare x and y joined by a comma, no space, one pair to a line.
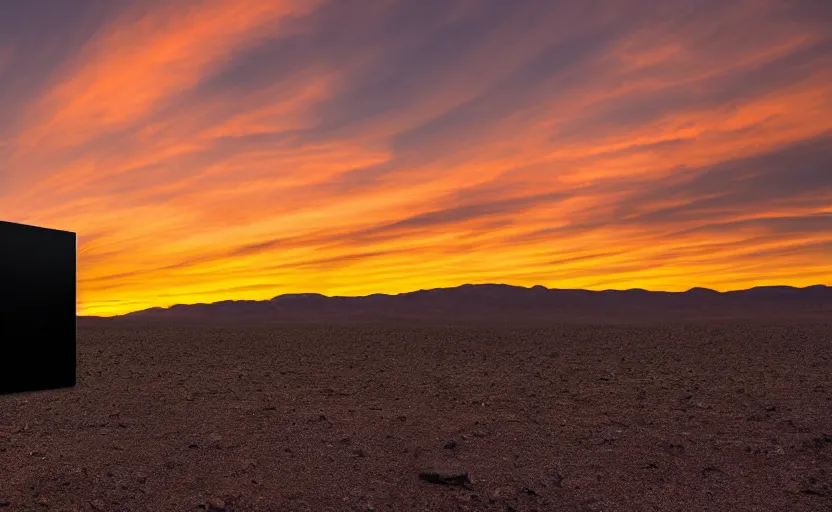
216,149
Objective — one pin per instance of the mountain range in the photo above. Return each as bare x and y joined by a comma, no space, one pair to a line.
504,303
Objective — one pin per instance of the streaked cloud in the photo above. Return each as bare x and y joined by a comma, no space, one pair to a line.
237,149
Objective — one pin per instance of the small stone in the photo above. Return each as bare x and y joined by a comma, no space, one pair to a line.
216,505
215,440
501,494
455,478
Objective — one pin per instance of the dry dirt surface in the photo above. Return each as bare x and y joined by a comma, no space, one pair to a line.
314,418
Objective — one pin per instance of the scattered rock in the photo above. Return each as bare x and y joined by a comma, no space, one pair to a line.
215,440
677,449
501,494
452,478
216,505
820,442
450,445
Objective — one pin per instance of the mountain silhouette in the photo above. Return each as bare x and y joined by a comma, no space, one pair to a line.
505,303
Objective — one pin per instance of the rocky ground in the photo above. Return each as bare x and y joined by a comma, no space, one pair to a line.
565,418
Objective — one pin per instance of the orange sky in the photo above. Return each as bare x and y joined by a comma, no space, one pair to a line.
239,149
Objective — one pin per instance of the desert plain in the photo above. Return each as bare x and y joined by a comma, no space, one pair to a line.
717,416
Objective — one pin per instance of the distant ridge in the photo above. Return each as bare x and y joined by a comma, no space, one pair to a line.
506,303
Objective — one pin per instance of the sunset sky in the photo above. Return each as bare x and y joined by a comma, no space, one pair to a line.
206,150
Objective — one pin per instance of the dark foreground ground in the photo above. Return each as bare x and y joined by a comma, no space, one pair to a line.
594,418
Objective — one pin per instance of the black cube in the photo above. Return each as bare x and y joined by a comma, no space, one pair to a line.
37,308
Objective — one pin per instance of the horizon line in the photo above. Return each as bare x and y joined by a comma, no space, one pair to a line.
298,294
